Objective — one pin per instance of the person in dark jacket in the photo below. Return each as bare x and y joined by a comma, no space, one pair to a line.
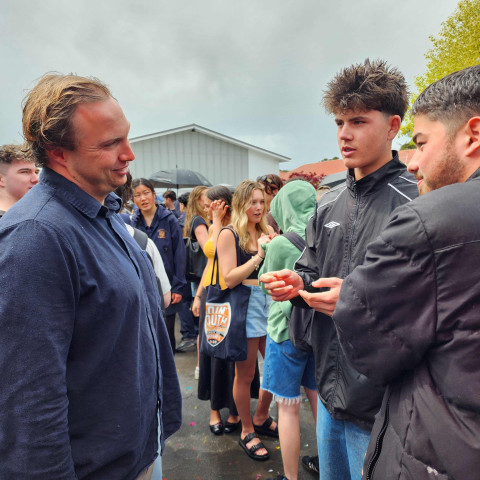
162,227
416,300
368,101
86,366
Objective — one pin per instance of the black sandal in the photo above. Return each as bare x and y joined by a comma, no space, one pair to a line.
265,429
251,451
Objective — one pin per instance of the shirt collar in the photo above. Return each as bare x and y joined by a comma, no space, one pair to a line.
80,199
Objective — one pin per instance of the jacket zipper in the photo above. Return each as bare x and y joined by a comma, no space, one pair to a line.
355,218
378,444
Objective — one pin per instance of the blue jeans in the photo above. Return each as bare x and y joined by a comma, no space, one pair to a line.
341,447
157,469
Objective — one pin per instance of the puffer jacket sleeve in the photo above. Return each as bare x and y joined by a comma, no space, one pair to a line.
386,314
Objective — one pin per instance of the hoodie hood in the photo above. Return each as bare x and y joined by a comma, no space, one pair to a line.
293,206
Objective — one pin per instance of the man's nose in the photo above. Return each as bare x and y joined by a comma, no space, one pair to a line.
127,154
412,165
344,132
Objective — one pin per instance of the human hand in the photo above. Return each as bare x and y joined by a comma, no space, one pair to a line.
323,302
282,285
263,239
176,298
219,209
196,306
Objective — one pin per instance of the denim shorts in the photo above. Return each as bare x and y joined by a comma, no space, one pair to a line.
257,313
285,369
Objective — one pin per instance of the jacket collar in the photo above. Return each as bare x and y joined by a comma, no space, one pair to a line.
377,179
137,217
475,174
77,197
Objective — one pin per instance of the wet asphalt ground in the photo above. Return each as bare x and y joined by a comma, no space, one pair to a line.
194,453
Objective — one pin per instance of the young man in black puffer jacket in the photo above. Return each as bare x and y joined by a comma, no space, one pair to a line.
368,101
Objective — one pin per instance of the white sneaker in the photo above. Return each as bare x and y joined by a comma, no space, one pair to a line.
197,372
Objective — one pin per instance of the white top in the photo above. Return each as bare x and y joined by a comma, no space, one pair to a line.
157,261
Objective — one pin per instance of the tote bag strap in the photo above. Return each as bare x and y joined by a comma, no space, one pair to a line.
215,258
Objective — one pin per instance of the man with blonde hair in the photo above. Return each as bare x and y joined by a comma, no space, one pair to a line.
88,369
18,174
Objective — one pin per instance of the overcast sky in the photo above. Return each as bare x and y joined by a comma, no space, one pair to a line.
251,69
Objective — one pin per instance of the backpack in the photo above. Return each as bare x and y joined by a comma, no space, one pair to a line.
300,322
142,239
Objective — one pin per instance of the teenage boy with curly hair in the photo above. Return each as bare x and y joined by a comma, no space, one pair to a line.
368,101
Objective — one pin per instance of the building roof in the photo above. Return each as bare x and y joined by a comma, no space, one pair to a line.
197,128
318,168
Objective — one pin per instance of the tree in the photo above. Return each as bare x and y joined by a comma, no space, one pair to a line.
309,177
457,46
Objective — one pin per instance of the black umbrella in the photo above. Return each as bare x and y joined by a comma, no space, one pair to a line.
178,178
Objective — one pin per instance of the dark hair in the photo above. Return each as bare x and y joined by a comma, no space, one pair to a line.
269,181
372,85
10,153
143,181
49,107
452,100
220,192
125,191
183,198
170,194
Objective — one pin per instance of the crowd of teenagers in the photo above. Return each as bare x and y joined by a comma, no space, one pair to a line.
363,294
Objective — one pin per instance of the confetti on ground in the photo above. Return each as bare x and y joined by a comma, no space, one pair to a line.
189,388
278,448
192,424
195,407
270,471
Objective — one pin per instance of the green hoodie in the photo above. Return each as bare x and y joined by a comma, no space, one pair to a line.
291,208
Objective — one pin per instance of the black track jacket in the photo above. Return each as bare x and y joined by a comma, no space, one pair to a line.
347,219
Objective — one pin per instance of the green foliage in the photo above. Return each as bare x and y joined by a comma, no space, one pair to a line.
457,46
408,145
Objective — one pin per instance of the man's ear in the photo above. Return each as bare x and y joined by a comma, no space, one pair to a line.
472,129
394,123
56,156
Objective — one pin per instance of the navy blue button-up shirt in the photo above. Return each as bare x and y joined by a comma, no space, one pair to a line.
84,354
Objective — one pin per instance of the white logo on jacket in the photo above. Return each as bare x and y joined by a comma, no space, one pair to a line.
332,225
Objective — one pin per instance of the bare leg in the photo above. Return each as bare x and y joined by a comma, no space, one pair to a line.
312,396
289,435
244,374
265,398
214,417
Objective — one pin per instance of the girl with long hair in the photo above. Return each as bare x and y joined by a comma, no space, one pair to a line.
196,229
162,227
216,376
249,231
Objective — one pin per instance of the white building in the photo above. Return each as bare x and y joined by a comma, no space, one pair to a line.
219,158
